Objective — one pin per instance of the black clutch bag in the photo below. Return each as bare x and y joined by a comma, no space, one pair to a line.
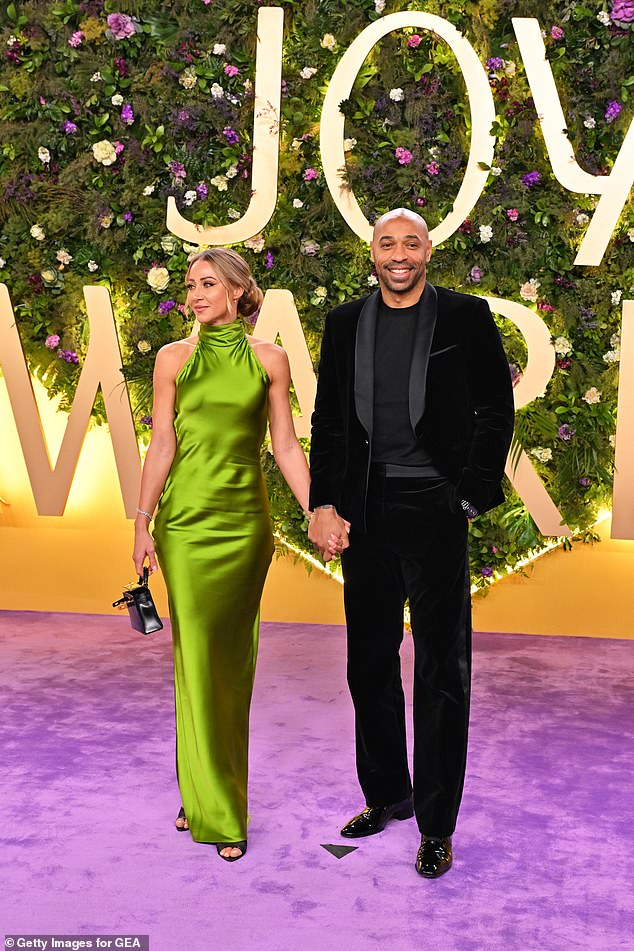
141,608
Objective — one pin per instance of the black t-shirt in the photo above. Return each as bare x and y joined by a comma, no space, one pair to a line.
393,439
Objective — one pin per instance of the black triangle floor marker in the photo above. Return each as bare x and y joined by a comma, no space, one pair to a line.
340,850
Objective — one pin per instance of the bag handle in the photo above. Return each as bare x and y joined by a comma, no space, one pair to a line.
146,576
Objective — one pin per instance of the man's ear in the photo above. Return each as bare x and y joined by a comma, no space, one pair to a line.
372,254
429,251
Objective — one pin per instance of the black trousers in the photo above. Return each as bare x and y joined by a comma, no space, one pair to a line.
415,547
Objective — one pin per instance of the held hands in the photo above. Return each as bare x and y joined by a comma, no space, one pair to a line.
143,546
328,532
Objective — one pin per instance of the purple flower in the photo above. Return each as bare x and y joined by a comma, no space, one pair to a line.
230,70
622,12
494,62
146,421
584,482
531,178
566,432
118,146
231,135
310,174
475,275
52,342
127,216
556,32
68,355
486,572
613,110
564,363
433,168
201,190
404,156
127,114
269,260
516,374
121,26
512,214
177,169
70,128
414,41
164,307
121,66
76,39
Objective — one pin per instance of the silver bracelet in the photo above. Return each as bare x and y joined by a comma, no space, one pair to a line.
147,514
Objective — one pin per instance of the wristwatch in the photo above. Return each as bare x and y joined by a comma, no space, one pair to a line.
468,508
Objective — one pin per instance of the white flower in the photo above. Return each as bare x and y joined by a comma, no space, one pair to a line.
217,91
219,49
328,42
149,190
630,234
190,197
234,214
615,340
255,244
319,296
589,122
117,99
615,297
309,246
232,171
397,95
486,233
372,280
349,144
542,454
298,203
296,144
64,257
495,170
612,441
582,218
169,244
104,152
528,291
2,262
562,346
379,5
612,356
38,233
604,18
307,72
593,395
247,85
96,77
509,68
92,266
143,346
219,182
12,40
44,155
188,78
158,278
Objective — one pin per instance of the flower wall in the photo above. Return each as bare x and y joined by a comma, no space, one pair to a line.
106,109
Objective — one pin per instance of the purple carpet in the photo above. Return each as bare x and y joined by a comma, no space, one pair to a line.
543,851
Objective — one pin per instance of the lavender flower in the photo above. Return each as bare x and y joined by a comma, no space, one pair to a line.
127,216
231,135
531,178
613,110
68,355
475,275
486,572
494,62
127,114
177,169
269,260
584,482
52,342
201,190
566,432
70,128
165,306
146,421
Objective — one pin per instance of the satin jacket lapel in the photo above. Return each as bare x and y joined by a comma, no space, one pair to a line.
364,363
425,326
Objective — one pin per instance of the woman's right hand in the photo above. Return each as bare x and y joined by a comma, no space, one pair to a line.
143,548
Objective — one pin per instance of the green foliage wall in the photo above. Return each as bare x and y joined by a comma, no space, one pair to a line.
107,108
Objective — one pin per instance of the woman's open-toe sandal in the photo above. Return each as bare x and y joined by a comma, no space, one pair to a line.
231,845
185,826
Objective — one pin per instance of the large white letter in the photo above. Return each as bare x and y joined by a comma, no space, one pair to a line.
613,188
480,104
266,135
623,495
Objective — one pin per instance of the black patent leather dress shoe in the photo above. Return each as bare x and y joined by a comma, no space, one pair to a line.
374,819
434,856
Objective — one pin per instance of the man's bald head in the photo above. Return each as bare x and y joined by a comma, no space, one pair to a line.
417,220
400,251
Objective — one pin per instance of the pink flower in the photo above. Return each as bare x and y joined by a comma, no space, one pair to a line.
76,39
121,26
118,147
433,168
414,41
512,214
310,174
231,71
404,156
556,32
52,342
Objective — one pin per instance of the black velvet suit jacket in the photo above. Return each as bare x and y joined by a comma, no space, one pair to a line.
460,400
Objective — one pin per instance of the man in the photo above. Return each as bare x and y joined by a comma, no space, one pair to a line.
412,424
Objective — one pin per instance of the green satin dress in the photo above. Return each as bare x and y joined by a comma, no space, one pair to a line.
214,542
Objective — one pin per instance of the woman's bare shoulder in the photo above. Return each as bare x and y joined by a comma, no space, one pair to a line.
172,357
271,356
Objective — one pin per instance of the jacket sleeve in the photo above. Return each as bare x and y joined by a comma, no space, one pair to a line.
327,452
491,395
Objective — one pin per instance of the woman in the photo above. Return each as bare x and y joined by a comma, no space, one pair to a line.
212,394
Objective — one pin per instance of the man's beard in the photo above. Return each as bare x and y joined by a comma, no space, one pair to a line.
416,277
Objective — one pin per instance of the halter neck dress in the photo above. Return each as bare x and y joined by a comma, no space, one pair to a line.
214,541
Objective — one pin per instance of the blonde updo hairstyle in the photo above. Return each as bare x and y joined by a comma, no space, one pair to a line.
233,272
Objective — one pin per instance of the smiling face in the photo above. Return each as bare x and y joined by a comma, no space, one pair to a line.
400,250
211,301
